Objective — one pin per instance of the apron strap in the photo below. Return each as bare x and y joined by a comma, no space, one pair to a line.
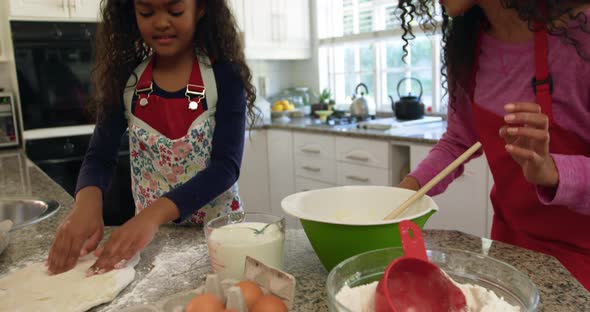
542,82
201,83
131,85
206,68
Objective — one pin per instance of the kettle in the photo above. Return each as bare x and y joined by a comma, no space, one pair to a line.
409,107
362,106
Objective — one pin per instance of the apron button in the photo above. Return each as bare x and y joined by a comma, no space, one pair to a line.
193,105
143,102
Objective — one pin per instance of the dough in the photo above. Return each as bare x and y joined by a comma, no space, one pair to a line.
32,289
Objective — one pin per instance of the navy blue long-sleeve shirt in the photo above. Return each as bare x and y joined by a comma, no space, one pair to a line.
226,154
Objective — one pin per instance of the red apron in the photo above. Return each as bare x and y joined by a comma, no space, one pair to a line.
519,217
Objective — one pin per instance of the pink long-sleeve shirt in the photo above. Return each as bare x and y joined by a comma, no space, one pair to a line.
504,76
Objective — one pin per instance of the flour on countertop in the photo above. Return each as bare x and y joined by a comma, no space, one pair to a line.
30,261
170,262
479,299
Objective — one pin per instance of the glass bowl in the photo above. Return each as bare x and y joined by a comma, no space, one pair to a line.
232,237
464,267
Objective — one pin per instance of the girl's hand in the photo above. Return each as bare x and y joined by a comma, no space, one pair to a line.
128,240
527,141
79,234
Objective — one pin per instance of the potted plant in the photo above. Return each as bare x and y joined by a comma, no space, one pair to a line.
323,101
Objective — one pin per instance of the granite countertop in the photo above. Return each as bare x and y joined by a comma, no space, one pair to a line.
176,260
426,133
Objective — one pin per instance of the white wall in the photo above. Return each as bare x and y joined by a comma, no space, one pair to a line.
277,75
286,74
306,72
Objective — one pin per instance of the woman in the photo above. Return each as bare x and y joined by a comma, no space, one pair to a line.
514,70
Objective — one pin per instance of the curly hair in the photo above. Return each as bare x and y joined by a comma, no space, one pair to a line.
120,49
459,34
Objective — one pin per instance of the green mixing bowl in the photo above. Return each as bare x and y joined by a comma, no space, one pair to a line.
341,222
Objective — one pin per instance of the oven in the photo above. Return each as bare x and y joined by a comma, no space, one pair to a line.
54,61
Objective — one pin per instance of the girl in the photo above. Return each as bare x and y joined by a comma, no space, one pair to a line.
174,73
515,71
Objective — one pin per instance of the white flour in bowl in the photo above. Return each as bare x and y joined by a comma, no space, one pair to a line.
479,299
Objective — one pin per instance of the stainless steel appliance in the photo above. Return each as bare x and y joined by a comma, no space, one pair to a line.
362,105
53,64
9,134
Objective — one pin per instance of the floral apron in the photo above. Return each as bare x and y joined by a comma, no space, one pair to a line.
158,163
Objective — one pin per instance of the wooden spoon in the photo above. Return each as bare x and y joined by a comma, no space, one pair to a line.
434,181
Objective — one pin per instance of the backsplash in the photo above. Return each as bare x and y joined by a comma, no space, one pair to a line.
277,76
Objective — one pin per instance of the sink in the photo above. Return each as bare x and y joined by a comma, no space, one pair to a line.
26,211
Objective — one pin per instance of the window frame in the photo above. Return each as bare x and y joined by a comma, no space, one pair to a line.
326,53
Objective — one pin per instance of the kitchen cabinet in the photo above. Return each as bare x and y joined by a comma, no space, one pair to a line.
348,174
55,9
254,176
277,29
304,185
463,206
371,153
323,170
85,9
4,32
315,157
334,160
280,171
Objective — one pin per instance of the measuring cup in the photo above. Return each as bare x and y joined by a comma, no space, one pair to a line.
412,283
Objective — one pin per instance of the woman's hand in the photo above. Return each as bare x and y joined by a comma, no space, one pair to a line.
527,141
410,183
133,236
79,234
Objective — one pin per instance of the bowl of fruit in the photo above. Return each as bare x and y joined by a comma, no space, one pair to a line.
281,109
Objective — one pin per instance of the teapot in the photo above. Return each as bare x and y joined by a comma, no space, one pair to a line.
409,107
362,106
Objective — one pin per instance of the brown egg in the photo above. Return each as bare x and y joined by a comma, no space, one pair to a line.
269,303
251,292
205,303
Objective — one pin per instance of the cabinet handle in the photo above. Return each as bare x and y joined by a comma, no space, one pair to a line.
312,169
310,150
358,179
357,158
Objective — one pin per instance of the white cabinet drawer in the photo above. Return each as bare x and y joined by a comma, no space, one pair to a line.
348,174
314,145
304,184
318,169
363,152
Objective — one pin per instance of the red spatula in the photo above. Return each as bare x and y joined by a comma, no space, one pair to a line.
412,283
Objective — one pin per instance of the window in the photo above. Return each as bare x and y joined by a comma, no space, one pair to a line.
360,41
